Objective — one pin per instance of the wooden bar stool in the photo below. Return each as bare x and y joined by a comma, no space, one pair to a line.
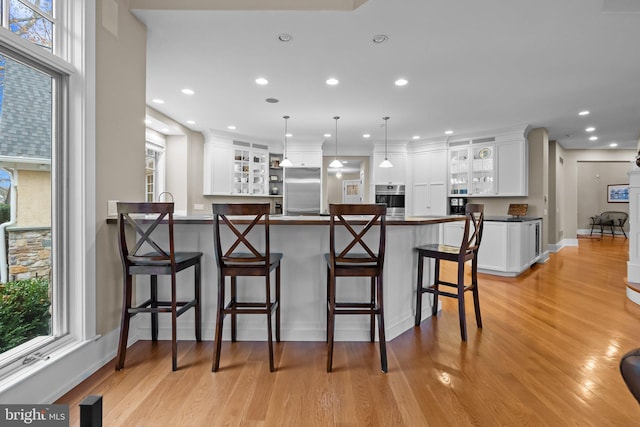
251,263
148,257
468,250
345,263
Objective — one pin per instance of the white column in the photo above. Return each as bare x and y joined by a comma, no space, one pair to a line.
633,265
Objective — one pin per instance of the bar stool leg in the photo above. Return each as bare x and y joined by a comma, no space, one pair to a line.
326,338
383,342
127,284
476,298
197,298
461,311
331,319
154,304
419,289
234,316
278,302
174,324
372,323
269,322
436,288
219,322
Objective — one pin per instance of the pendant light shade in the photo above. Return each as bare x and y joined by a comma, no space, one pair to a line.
385,163
336,163
285,161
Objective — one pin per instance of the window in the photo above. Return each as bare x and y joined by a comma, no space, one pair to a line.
154,165
50,156
32,20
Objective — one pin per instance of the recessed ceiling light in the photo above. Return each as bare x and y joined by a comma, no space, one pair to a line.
262,81
285,37
289,135
366,135
345,161
165,130
188,91
272,100
583,113
191,122
327,135
332,81
448,132
593,138
415,137
147,121
380,38
401,82
590,129
613,144
157,101
231,127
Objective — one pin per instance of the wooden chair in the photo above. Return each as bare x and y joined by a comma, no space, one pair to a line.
468,250
345,263
147,257
252,263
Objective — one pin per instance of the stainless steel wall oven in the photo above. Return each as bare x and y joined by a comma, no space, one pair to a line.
393,196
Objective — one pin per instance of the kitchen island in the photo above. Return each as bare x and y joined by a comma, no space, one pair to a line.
303,240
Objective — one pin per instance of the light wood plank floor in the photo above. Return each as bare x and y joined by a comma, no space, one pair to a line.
548,355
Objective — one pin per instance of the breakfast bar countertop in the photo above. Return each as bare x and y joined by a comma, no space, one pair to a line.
279,219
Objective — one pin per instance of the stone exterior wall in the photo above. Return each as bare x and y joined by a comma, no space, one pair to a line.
29,252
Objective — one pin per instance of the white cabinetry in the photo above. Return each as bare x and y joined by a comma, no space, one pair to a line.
393,175
429,178
234,167
489,167
509,248
217,167
305,156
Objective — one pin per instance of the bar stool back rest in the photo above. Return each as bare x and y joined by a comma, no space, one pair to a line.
229,256
233,263
349,263
147,257
378,215
468,251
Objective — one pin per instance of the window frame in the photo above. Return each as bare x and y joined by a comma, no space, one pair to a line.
74,213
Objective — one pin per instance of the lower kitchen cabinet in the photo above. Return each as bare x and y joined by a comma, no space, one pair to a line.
507,248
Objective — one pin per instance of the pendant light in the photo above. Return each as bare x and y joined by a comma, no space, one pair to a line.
385,163
336,163
285,161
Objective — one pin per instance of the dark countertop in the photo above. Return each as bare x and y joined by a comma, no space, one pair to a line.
511,218
312,220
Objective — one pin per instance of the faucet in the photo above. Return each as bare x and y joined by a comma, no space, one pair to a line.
163,193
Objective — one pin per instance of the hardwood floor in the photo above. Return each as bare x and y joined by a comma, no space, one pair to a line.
548,355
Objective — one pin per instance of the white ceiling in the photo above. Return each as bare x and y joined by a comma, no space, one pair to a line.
471,65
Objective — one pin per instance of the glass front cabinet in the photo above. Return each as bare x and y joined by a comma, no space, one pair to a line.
459,171
483,170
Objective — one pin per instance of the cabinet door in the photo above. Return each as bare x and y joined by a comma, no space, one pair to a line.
483,170
512,169
493,247
420,198
452,233
437,199
259,171
459,171
393,175
305,158
218,166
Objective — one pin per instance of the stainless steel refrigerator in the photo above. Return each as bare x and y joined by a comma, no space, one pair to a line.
302,191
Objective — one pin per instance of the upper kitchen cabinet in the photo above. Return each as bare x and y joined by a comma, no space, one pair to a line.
429,182
305,155
235,167
393,175
494,166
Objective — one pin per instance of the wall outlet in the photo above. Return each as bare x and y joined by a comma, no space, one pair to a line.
198,207
112,208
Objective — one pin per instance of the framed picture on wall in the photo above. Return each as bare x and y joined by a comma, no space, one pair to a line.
618,193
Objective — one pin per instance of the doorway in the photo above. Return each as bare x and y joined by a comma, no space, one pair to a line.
355,168
352,191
